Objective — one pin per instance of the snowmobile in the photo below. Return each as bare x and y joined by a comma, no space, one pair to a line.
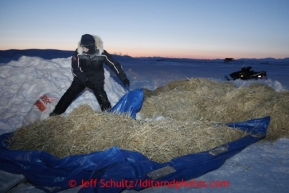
247,74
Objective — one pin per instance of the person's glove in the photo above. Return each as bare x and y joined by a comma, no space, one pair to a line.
89,84
125,82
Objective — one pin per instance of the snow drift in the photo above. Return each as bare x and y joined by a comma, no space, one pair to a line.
25,81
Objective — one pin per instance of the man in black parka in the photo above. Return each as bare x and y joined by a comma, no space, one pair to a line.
87,67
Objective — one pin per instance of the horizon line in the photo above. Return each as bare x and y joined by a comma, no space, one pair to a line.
155,56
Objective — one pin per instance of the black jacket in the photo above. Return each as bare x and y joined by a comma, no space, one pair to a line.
90,67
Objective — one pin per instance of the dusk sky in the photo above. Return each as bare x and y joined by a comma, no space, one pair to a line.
204,29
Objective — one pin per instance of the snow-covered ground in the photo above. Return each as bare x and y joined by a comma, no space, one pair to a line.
262,167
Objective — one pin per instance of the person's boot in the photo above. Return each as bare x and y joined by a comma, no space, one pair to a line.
52,114
105,106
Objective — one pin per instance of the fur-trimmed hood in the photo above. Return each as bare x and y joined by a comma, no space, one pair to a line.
98,44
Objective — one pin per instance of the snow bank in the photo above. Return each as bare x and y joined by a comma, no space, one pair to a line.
24,81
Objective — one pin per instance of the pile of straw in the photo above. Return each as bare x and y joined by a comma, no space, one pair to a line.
193,110
204,99
85,131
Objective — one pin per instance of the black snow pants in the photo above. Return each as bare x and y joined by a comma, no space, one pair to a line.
75,89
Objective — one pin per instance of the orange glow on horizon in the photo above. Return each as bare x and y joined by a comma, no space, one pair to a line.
157,52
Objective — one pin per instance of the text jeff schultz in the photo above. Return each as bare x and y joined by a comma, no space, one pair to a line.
154,183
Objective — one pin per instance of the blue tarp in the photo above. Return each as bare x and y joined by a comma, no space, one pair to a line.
130,103
115,169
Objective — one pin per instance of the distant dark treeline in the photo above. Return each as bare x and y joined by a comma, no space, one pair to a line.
8,55
48,54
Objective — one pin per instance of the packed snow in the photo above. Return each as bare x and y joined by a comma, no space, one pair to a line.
262,167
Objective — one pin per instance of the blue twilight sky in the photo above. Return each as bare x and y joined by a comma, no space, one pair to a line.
170,28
